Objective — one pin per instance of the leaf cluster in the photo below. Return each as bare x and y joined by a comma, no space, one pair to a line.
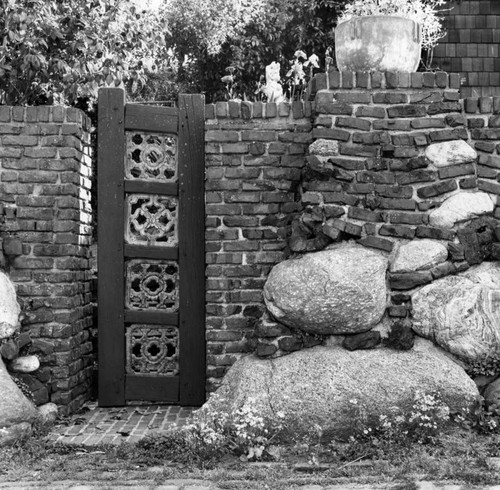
486,366
271,30
55,51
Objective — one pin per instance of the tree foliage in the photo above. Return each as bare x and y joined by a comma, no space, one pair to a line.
58,51
269,31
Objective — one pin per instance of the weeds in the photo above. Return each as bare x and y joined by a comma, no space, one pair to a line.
424,439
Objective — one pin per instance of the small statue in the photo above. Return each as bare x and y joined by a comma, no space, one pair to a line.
273,89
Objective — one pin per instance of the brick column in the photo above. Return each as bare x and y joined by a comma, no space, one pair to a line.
45,170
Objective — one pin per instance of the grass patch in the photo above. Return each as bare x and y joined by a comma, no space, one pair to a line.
457,455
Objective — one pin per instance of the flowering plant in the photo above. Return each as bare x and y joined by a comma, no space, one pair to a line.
296,77
424,12
244,431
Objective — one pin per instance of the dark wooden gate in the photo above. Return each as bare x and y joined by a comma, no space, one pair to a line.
151,251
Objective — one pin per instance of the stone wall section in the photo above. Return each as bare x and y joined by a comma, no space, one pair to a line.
45,227
366,177
254,158
351,163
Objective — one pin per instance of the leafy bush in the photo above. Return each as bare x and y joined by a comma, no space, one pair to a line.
248,38
488,365
426,419
211,434
483,418
59,52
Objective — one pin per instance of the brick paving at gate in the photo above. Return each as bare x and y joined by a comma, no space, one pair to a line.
94,425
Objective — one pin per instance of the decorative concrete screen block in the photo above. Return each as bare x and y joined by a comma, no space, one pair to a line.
9,307
461,313
151,220
151,156
152,284
152,349
325,148
460,207
328,386
450,153
334,291
419,255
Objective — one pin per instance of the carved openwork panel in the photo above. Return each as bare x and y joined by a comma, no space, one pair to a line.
152,284
152,349
151,220
151,156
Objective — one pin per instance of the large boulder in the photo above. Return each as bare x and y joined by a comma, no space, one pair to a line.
418,255
9,307
462,313
335,291
460,207
449,153
16,411
331,386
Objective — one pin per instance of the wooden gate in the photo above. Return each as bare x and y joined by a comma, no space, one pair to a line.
151,215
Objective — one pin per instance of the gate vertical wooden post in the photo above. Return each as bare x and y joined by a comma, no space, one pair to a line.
110,171
192,249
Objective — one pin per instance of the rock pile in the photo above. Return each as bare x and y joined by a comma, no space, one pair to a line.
364,288
21,390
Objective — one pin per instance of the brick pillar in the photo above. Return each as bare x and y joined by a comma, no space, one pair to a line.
45,170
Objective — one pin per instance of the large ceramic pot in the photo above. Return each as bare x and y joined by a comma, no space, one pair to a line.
378,43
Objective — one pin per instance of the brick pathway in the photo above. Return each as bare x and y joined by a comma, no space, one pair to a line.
94,425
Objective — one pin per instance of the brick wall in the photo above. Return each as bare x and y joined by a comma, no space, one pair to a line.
471,46
263,189
254,156
45,229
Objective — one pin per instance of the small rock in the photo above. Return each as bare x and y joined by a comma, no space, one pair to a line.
25,364
9,307
7,330
419,255
42,346
492,393
400,337
365,340
265,349
10,435
9,350
36,387
493,463
450,153
482,380
24,339
48,413
460,207
12,246
323,147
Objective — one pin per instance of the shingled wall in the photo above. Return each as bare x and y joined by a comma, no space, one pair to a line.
471,46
